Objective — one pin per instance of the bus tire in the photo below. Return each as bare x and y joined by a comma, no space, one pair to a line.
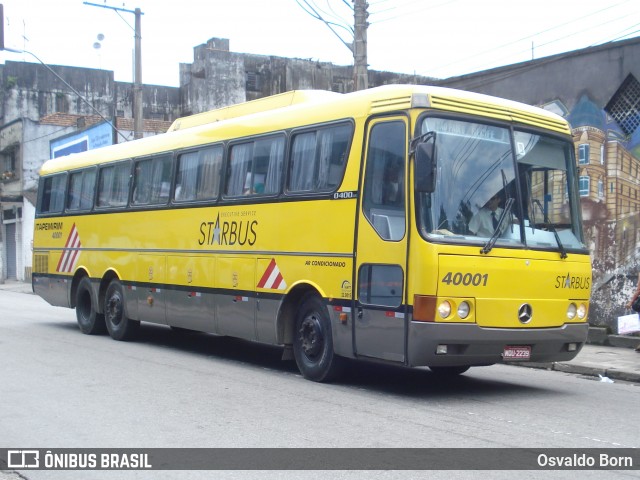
89,320
313,342
120,327
449,372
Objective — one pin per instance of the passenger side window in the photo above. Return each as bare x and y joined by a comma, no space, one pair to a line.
318,159
113,185
82,186
152,181
255,168
52,191
384,185
198,175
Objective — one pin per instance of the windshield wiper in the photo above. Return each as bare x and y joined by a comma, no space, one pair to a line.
496,233
563,252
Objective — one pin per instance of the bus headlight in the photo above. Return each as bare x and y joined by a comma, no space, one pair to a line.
463,310
582,311
571,311
444,309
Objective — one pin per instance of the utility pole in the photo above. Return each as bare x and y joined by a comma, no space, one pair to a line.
359,45
360,74
137,86
137,83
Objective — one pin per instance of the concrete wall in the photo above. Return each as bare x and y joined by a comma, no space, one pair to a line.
32,91
597,71
218,77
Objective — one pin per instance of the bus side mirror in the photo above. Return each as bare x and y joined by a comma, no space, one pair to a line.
425,166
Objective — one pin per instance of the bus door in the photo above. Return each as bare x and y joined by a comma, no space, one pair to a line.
381,248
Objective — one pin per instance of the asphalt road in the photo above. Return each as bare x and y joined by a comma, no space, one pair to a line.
60,388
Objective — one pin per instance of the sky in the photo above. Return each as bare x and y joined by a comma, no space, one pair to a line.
435,38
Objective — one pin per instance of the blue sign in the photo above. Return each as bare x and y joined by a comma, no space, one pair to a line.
97,136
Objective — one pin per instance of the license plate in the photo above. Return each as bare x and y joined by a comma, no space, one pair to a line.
511,353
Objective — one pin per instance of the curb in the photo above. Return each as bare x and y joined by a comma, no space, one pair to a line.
599,336
595,372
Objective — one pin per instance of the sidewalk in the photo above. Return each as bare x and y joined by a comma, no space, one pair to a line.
14,286
604,362
610,357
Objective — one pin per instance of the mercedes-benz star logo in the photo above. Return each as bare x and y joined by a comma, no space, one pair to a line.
525,312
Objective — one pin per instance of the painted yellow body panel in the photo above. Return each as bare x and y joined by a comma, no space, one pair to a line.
499,286
132,244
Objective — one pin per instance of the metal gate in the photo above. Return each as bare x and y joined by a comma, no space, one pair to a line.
10,242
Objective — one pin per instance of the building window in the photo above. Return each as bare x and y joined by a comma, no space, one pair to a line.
584,185
600,188
9,165
583,154
254,82
602,154
624,106
62,103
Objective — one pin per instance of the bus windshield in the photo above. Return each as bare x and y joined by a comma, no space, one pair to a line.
500,186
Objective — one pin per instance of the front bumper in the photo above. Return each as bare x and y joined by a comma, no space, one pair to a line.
469,344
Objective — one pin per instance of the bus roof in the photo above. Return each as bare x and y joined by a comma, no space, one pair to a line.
273,102
302,107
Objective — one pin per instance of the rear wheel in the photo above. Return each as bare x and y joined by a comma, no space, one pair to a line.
313,342
119,325
90,321
449,372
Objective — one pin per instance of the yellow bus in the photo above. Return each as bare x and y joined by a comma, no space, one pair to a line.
413,225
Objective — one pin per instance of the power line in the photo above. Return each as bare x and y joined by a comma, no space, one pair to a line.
528,37
563,38
618,35
412,12
315,14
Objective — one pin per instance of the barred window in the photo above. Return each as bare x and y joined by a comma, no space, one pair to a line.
624,106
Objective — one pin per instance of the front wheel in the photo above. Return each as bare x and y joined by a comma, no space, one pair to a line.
89,320
313,342
120,327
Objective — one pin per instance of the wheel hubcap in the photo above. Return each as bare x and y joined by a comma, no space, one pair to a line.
114,309
311,338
